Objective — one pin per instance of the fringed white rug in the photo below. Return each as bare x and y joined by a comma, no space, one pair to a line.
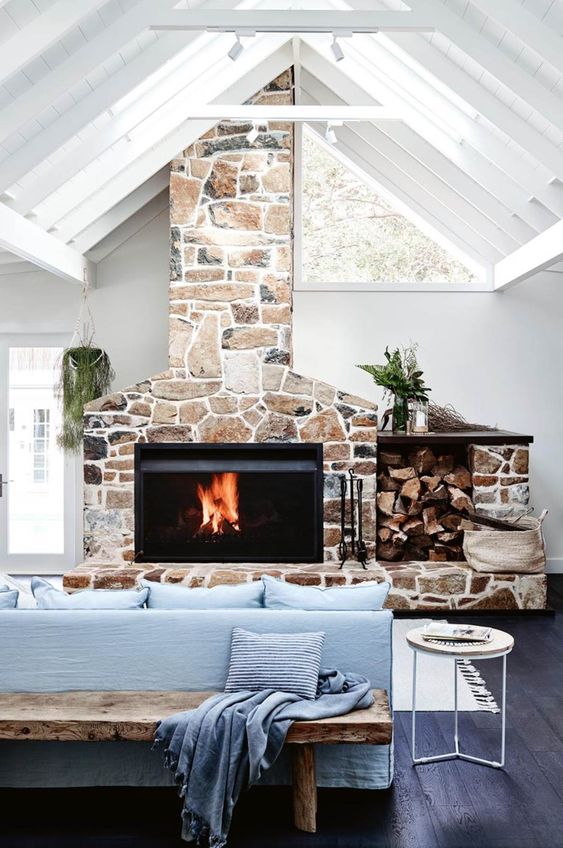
435,678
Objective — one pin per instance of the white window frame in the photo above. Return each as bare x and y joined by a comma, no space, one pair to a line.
41,563
484,283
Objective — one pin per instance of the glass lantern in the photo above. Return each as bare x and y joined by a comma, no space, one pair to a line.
418,416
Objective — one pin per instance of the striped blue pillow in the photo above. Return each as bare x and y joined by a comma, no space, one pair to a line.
284,662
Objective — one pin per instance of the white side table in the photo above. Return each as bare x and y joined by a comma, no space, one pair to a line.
500,645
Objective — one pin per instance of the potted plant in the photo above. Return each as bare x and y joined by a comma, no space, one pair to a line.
402,380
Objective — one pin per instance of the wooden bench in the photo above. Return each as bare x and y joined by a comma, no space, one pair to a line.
133,716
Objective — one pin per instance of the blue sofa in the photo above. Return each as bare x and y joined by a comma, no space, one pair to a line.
54,651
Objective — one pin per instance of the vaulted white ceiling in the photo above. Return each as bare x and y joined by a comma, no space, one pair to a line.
94,104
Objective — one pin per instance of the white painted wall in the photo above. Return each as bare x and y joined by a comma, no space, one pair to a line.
497,357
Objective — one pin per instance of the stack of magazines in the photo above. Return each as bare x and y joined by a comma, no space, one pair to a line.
439,632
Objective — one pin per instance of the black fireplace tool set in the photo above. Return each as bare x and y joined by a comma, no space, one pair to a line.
356,544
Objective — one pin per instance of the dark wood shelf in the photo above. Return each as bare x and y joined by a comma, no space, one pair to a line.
462,437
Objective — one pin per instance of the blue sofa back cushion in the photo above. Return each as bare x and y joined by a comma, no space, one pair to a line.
240,596
8,597
365,596
283,662
48,597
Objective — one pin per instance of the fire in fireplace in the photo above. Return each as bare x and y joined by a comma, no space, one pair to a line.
228,503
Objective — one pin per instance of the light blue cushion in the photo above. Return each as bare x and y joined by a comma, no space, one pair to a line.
48,597
281,595
240,596
284,662
8,597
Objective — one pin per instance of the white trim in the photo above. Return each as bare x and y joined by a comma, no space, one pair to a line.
32,243
292,21
469,288
541,252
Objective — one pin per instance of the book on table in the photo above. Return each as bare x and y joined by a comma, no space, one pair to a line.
437,631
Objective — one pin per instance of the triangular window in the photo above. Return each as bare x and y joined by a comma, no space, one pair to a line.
351,234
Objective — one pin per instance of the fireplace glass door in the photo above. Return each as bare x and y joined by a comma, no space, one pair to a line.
228,503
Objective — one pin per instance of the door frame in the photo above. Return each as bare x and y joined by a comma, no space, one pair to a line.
37,563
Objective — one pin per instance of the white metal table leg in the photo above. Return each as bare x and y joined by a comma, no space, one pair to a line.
456,734
413,717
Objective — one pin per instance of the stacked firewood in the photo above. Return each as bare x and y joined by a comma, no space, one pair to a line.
421,501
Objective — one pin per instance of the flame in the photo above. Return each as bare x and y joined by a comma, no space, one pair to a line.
219,504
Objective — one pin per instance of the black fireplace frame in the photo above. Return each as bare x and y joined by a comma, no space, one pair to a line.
304,456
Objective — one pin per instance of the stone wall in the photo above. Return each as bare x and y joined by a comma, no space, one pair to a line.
500,475
230,377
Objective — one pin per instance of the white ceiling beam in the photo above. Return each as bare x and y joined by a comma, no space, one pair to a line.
150,154
50,139
522,23
73,70
291,21
481,153
431,217
465,218
116,216
300,114
469,174
32,243
46,29
503,68
130,227
483,102
543,251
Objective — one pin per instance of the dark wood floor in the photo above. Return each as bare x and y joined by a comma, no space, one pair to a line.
443,805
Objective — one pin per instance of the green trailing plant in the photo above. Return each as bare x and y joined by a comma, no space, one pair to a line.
85,374
401,378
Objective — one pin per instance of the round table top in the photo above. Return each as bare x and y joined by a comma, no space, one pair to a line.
499,644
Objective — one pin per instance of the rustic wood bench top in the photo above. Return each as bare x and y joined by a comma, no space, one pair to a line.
133,716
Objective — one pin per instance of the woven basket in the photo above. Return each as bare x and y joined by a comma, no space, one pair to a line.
520,551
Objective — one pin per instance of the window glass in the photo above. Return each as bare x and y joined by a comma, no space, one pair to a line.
352,234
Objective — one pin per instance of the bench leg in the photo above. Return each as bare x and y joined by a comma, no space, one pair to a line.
304,788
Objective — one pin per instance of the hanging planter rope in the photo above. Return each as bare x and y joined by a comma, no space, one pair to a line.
85,374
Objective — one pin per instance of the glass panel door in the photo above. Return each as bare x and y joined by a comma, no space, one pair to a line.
37,510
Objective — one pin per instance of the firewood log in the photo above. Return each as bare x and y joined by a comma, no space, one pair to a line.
451,521
422,460
439,494
389,552
402,473
411,489
430,518
401,505
386,502
387,484
394,522
391,458
384,533
459,500
438,555
450,536
443,465
459,477
413,526
430,482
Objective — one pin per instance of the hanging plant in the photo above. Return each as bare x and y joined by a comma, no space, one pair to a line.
85,374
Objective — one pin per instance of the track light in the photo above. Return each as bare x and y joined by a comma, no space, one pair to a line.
330,135
236,49
252,135
337,51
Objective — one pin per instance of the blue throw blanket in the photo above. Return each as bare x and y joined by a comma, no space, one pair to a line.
222,747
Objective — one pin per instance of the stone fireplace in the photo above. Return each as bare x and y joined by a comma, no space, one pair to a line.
231,406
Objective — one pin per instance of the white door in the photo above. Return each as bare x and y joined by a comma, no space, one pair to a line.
37,503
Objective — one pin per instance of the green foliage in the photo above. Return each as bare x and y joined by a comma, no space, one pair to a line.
352,234
400,375
86,374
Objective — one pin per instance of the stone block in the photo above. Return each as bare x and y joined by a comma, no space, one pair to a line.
223,428
225,577
92,474
275,289
141,408
184,389
447,584
222,181
242,372
325,426
192,412
204,355
95,447
164,412
221,404
276,428
278,219
297,385
483,462
119,498
288,404
276,314
256,257
236,215
184,198
245,313
170,433
244,338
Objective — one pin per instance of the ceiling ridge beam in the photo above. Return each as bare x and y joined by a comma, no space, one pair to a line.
31,103
29,241
46,29
538,254
291,21
505,70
